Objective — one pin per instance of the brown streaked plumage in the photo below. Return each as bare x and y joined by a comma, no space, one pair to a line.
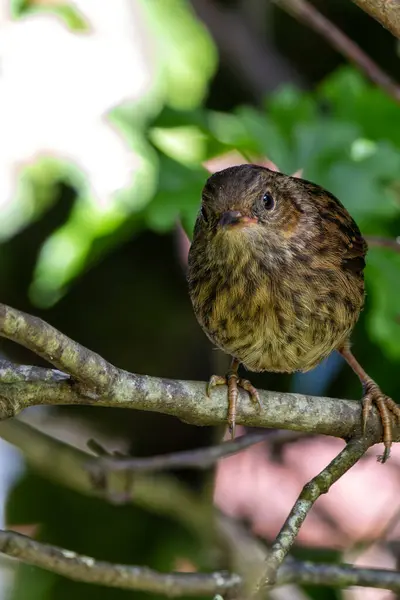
276,278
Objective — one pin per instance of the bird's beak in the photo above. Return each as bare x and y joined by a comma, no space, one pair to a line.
234,217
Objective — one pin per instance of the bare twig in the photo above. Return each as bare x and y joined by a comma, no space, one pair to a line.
259,64
87,569
201,458
386,12
90,570
310,493
12,373
341,576
375,241
308,14
99,450
246,553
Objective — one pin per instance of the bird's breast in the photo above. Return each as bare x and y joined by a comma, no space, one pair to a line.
280,320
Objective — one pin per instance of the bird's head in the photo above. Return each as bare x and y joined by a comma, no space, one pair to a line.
252,205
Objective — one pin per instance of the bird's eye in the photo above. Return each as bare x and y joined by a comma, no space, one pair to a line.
268,201
204,214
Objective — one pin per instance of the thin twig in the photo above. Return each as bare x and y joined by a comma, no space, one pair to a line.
254,58
87,569
382,242
200,458
386,12
309,15
340,576
310,493
12,373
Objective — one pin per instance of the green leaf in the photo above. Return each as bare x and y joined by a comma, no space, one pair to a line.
383,279
365,185
288,107
68,13
318,145
67,251
178,197
267,138
19,7
230,130
186,53
354,99
35,193
186,144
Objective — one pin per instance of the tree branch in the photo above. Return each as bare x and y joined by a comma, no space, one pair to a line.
31,386
256,60
375,241
310,493
31,332
340,576
89,570
187,401
200,458
26,386
386,12
308,14
66,465
248,555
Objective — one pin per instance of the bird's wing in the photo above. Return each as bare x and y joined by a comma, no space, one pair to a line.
355,247
340,230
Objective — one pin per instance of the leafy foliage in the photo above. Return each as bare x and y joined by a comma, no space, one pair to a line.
329,134
175,71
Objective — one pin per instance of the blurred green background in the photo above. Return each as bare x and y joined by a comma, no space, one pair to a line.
108,112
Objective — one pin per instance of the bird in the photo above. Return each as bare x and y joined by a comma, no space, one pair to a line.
276,279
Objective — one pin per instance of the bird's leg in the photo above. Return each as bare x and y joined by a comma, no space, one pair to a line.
233,381
372,394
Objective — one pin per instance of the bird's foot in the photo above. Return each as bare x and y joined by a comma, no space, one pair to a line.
387,408
233,381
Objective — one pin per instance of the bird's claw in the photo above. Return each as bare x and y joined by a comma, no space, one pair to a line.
387,408
233,382
213,382
246,385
